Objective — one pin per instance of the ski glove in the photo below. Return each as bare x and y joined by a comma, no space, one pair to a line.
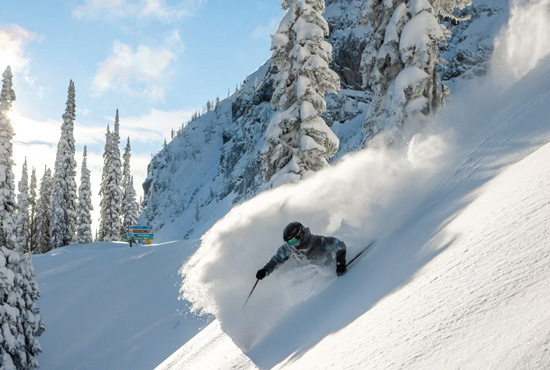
261,274
341,270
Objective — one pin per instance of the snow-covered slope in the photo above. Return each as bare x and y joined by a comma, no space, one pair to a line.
460,269
109,306
222,353
480,301
458,277
461,282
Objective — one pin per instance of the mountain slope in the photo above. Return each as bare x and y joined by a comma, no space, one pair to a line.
480,302
212,163
460,283
458,277
406,199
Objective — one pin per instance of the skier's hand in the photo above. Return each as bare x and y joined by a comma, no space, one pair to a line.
261,274
341,270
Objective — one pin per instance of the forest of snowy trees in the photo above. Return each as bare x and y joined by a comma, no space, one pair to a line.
56,214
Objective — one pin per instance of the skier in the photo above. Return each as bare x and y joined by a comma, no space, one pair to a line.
300,243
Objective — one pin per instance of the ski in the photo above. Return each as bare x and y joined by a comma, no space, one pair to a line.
360,253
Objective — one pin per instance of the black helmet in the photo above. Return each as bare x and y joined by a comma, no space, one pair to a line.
293,229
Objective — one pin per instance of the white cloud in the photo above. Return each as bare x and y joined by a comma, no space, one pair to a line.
13,42
43,135
139,72
154,126
146,9
29,131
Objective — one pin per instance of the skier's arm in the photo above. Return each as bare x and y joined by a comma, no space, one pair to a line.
338,248
283,253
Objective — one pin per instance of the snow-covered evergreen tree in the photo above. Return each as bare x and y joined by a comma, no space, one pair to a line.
32,212
111,186
44,213
7,179
103,205
125,178
64,190
299,141
20,319
84,207
127,201
22,219
126,165
131,207
401,59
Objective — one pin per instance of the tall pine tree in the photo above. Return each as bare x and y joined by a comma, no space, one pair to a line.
32,212
126,177
299,142
64,197
401,59
22,219
20,320
84,207
131,207
111,186
44,213
103,217
7,179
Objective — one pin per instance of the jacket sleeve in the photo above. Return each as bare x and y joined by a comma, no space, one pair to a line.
337,248
283,253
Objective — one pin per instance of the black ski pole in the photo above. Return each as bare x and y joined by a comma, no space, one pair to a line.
254,287
360,253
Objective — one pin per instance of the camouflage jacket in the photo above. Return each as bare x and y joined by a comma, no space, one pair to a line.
321,250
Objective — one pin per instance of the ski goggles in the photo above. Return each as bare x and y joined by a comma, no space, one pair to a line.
293,241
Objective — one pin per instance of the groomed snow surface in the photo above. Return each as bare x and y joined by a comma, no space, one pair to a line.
459,276
109,306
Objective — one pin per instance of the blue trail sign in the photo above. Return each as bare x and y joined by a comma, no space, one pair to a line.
136,233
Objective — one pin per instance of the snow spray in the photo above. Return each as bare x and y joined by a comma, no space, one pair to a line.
524,42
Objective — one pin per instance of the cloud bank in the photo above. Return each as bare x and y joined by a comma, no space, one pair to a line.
13,53
138,72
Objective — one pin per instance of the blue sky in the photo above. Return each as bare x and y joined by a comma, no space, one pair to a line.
157,61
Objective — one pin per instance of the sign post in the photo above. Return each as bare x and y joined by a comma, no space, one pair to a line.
137,233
